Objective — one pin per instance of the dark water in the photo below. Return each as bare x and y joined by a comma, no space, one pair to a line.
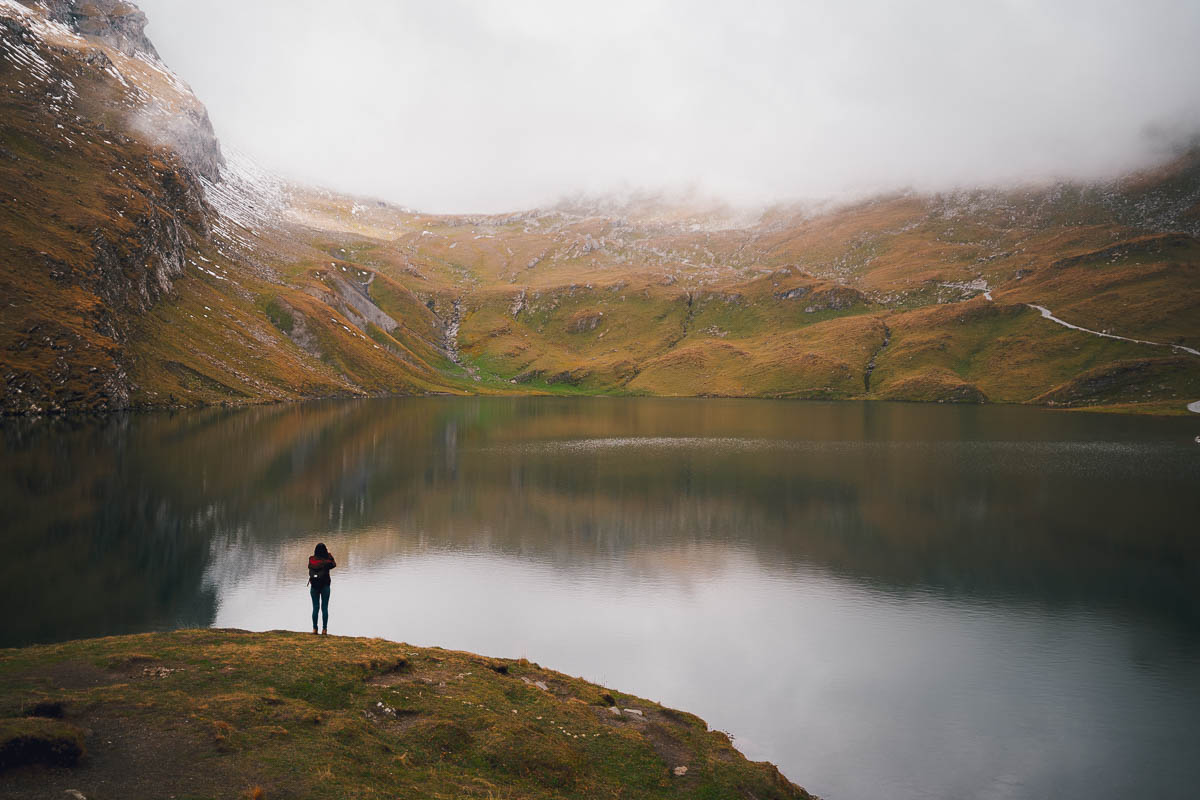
886,600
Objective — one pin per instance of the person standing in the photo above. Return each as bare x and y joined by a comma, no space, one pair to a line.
319,564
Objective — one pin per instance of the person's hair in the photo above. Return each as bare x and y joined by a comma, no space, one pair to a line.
322,551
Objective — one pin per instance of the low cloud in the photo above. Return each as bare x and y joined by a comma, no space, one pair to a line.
475,106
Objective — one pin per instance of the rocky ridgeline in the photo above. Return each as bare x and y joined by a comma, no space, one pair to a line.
121,27
118,24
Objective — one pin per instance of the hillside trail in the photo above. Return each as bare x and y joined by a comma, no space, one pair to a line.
1045,312
1048,314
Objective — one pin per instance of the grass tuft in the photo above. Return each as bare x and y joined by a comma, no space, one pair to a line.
37,740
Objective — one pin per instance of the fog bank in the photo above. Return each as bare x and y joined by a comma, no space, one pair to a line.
463,106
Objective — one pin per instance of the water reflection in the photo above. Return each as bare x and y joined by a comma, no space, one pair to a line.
884,599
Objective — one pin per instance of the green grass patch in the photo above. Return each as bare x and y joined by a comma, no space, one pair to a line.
280,316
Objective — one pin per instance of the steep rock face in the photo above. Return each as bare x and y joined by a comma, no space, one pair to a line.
171,115
137,264
118,24
190,134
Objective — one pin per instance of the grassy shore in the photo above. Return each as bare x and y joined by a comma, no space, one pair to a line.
224,713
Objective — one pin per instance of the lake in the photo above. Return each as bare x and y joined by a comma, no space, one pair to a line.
886,600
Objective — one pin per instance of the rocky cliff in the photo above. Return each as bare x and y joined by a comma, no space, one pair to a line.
117,24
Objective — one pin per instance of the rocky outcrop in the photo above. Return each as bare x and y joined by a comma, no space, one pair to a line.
838,298
116,23
353,301
793,294
135,264
190,134
181,121
584,321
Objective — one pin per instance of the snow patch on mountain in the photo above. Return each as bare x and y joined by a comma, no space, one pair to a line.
246,196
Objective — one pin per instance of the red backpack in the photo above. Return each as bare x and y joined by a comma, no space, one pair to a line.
318,571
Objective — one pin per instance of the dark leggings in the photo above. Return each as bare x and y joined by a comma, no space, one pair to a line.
320,598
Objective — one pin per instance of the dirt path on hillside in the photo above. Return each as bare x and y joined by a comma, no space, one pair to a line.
1045,312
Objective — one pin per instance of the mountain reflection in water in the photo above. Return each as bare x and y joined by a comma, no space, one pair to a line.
860,592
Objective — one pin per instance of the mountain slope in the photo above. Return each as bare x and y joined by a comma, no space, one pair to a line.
131,274
904,297
144,268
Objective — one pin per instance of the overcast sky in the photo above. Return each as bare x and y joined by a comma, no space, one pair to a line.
458,106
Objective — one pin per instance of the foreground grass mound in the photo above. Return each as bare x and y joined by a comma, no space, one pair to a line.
213,713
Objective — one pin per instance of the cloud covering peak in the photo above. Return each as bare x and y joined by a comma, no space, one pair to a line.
473,106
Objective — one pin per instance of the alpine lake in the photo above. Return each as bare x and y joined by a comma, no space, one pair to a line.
886,600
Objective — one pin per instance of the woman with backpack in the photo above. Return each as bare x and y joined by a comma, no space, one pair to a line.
319,564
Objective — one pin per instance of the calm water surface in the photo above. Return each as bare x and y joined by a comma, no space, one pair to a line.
885,600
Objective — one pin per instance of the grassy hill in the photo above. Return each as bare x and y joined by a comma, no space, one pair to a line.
212,713
145,269
907,298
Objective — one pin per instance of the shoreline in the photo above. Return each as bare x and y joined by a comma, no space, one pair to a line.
226,712
1159,409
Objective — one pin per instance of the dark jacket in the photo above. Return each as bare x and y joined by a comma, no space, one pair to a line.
318,571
